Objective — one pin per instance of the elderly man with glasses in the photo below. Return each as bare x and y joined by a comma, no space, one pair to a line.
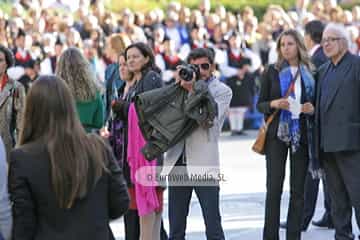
338,127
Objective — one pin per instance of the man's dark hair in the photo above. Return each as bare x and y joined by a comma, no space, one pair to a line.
315,30
21,33
9,56
209,53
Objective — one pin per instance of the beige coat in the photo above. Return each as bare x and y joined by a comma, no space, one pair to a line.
12,107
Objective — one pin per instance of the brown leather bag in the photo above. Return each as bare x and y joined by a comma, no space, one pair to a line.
259,145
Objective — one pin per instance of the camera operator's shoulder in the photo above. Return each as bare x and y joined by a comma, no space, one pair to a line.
221,88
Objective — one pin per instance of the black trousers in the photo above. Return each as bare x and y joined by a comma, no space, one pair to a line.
310,197
276,155
179,202
342,172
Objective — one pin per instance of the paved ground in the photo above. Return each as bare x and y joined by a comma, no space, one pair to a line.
242,197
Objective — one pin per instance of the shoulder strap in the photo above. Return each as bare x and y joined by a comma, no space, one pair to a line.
272,116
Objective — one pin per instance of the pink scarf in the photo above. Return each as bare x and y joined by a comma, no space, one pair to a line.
146,198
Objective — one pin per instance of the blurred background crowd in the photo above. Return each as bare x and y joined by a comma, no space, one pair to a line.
38,31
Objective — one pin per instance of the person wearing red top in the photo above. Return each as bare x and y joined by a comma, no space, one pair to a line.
22,56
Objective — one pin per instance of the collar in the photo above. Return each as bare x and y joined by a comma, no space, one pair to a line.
347,53
210,80
313,49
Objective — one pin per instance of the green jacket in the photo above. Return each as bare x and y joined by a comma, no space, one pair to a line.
91,113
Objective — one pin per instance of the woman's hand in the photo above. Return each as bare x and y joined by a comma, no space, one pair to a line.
280,103
104,133
307,108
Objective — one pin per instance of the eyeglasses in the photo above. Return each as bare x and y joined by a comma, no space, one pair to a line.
204,66
330,40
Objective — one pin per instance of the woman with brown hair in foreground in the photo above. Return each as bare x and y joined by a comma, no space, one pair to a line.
64,183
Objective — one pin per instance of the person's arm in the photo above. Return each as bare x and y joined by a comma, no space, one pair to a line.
222,99
5,207
119,199
255,60
263,104
24,214
225,69
100,113
167,75
19,105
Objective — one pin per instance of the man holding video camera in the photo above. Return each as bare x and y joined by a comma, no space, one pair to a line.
199,150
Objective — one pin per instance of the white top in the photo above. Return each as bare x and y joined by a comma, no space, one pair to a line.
297,91
313,49
228,71
166,74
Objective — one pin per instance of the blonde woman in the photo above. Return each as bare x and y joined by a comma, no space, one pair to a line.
289,132
77,73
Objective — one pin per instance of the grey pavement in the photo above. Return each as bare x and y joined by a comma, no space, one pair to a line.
242,197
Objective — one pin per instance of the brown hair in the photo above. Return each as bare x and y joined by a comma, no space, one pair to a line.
50,117
303,56
76,70
118,42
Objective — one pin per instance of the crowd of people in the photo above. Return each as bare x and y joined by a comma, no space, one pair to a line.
38,36
67,78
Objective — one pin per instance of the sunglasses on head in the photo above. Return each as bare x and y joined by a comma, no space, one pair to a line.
204,66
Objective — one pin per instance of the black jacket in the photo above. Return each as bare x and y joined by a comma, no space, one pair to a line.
243,90
151,80
270,90
319,57
169,114
341,123
36,213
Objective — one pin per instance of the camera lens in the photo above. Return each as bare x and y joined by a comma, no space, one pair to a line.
186,73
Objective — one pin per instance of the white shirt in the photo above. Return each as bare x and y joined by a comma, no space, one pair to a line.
313,49
297,89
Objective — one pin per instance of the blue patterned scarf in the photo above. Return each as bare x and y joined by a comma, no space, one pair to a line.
289,129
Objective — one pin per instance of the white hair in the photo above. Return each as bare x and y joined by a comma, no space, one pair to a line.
340,30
